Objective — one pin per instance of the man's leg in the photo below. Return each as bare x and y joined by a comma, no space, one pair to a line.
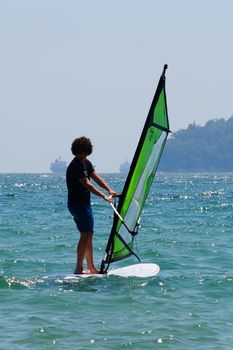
89,254
81,249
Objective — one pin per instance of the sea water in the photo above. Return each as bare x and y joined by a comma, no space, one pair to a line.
186,228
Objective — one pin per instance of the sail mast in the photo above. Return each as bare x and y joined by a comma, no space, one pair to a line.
139,179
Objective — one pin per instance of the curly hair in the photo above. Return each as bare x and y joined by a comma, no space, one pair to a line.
81,145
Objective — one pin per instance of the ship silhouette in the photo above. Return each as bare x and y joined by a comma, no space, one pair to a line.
124,167
58,166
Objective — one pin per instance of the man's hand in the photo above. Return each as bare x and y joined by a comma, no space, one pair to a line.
113,193
108,199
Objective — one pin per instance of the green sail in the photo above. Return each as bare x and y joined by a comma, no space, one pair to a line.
139,180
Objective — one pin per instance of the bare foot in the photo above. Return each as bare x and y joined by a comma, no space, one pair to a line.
81,272
94,271
91,271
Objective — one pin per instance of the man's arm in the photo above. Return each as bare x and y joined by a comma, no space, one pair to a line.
91,188
98,179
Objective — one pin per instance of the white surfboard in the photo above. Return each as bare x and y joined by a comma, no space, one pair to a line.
137,270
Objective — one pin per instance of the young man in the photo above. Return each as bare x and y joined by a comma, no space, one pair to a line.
78,175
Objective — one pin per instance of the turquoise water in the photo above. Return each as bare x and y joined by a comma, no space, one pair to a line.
186,229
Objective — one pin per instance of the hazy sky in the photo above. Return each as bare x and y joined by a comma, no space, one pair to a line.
73,68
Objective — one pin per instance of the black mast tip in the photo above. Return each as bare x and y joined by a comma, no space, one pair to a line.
164,69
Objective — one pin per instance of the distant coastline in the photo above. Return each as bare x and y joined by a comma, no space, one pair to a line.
207,148
200,149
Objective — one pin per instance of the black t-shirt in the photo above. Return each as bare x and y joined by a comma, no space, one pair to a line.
77,193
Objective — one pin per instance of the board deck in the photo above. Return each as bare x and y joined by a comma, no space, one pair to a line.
137,270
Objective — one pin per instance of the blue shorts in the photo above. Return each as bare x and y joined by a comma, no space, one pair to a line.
83,217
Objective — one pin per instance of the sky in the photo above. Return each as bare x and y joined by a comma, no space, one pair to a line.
71,68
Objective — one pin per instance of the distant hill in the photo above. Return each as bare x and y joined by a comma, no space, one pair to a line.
198,149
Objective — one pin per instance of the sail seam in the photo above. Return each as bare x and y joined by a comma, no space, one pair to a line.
160,127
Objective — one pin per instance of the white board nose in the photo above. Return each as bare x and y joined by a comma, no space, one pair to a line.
136,270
